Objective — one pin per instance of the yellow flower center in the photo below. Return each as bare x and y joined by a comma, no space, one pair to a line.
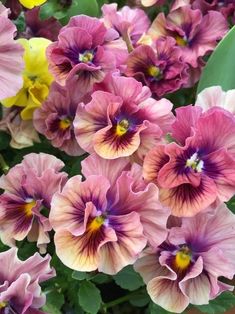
3,304
195,163
122,127
181,41
153,71
86,57
64,124
27,208
96,223
183,258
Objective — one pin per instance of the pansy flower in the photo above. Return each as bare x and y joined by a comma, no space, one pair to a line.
158,66
105,221
200,169
195,35
25,204
130,23
122,119
20,282
37,79
187,268
55,118
80,52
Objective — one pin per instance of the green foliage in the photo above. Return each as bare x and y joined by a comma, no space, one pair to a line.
4,140
55,301
156,309
221,304
128,279
89,297
219,69
231,204
64,13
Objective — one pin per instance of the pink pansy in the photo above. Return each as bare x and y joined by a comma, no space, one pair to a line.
11,58
55,117
122,119
80,52
102,223
131,24
196,35
160,67
22,132
25,204
200,169
215,96
20,289
187,267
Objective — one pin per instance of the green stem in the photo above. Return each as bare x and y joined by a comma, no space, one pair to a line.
128,42
3,164
121,299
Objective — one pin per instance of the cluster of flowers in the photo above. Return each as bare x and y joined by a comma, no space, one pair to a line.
142,200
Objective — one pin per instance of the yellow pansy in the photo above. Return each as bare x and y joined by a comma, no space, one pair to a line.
37,79
29,4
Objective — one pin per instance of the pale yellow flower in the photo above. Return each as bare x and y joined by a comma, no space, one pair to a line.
29,4
37,79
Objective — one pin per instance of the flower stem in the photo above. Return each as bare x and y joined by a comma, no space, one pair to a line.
120,300
4,166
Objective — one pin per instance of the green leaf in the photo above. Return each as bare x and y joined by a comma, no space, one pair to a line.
49,308
219,69
55,299
101,278
89,297
79,275
231,204
48,9
78,7
128,279
140,300
156,309
221,304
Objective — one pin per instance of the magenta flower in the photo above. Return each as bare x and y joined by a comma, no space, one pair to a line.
80,52
11,58
25,203
122,119
20,289
200,169
131,24
186,268
196,35
55,117
105,221
35,27
159,67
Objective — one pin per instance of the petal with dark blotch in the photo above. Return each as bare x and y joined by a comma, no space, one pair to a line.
166,293
187,200
153,162
110,146
113,256
81,253
176,172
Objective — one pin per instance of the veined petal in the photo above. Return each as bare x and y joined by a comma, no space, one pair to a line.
81,252
113,256
187,200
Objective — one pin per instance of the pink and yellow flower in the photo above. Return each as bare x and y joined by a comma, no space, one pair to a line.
187,268
122,119
200,169
159,67
20,289
55,118
80,52
25,203
105,221
195,35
